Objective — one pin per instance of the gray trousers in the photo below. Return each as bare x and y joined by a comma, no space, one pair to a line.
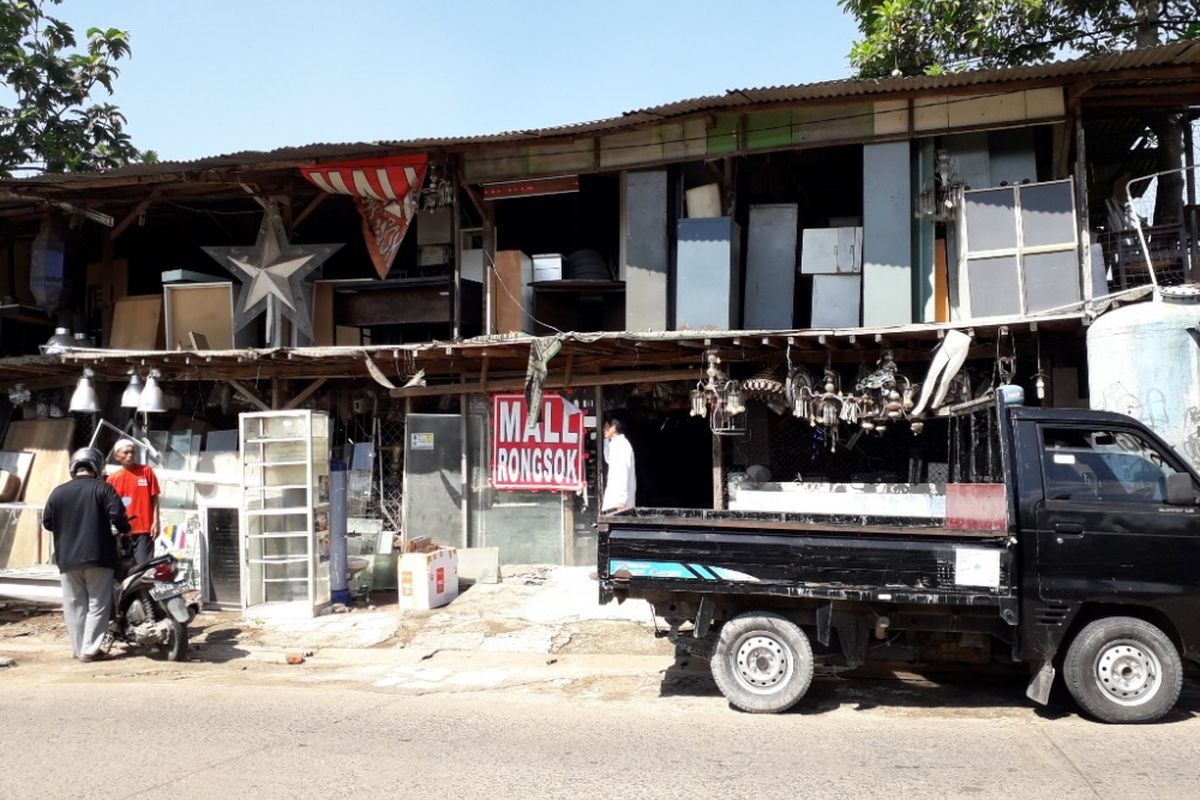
87,607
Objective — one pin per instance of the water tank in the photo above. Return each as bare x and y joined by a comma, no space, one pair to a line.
1144,361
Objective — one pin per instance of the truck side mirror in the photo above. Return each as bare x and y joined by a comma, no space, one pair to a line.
1181,491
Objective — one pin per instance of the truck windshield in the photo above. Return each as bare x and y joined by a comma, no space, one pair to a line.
1103,464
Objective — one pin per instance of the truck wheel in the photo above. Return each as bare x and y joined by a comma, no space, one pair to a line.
763,663
1123,669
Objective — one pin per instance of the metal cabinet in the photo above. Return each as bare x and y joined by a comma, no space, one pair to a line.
284,517
831,251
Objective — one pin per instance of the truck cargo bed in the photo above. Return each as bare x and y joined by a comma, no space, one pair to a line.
654,550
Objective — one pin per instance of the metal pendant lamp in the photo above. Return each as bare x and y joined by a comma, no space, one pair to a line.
84,399
152,400
132,395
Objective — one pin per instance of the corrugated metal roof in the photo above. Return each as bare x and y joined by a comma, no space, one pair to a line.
1185,53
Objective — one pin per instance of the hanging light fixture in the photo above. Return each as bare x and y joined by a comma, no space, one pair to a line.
133,392
84,399
152,400
699,401
734,402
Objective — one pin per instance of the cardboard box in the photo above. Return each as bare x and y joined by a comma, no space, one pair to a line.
427,580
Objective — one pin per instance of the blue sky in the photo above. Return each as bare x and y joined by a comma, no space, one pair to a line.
219,76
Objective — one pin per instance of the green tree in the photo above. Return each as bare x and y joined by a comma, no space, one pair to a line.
911,37
52,124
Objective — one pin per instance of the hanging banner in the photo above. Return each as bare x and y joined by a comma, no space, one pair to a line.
386,192
548,455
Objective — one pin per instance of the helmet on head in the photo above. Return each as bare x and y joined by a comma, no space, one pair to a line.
87,458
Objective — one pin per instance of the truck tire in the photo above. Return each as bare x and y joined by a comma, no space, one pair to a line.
1123,669
763,663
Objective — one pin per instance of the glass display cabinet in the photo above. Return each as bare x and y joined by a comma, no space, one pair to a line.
284,513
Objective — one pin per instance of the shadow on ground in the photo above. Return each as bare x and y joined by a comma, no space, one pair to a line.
946,689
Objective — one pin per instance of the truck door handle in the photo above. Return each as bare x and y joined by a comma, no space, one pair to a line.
1068,529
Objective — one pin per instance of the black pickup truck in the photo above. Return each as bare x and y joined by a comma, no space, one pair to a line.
1091,569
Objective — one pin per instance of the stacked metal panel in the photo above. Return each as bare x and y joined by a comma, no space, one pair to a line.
833,256
771,266
647,251
708,274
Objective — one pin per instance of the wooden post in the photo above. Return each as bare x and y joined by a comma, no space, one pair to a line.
718,472
600,448
456,254
1081,206
489,264
276,394
1191,216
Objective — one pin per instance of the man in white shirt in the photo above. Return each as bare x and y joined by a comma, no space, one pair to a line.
620,488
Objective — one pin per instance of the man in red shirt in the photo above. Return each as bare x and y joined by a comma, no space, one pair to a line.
137,487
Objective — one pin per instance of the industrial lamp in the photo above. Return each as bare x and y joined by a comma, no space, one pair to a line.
152,400
133,392
84,399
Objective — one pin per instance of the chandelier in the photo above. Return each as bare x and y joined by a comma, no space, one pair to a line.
720,399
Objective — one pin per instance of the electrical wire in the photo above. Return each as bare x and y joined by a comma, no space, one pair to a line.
504,286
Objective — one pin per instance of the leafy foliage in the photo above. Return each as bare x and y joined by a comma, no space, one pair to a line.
52,124
934,36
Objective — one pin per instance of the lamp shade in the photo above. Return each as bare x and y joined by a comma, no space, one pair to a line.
152,400
84,399
132,395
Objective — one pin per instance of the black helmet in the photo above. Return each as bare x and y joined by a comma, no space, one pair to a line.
87,458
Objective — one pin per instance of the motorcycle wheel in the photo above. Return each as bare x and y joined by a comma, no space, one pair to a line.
176,646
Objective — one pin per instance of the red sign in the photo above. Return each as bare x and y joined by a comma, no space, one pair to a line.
546,456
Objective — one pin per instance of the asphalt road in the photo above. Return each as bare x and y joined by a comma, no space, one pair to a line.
83,734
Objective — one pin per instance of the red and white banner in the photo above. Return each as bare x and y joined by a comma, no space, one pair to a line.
386,191
546,456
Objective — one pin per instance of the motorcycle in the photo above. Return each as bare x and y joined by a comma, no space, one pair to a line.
152,604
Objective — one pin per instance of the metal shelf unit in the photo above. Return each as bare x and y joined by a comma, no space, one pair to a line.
285,550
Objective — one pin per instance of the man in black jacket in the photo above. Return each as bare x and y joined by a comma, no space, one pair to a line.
81,513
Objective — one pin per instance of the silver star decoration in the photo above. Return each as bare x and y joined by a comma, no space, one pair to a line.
273,268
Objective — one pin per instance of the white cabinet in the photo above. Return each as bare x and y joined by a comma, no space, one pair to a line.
831,251
285,512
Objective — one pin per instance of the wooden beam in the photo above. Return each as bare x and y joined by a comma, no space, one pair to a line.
129,218
248,393
559,382
307,211
308,392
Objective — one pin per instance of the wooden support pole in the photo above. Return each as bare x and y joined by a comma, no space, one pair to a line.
1191,215
276,393
489,268
307,211
308,392
456,254
248,393
1081,206
132,216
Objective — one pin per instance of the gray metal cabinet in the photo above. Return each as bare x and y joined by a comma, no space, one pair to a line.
708,274
771,266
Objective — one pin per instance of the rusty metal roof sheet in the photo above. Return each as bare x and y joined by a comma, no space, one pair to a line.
1186,53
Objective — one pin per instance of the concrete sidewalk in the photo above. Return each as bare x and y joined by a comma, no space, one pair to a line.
540,630
491,635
